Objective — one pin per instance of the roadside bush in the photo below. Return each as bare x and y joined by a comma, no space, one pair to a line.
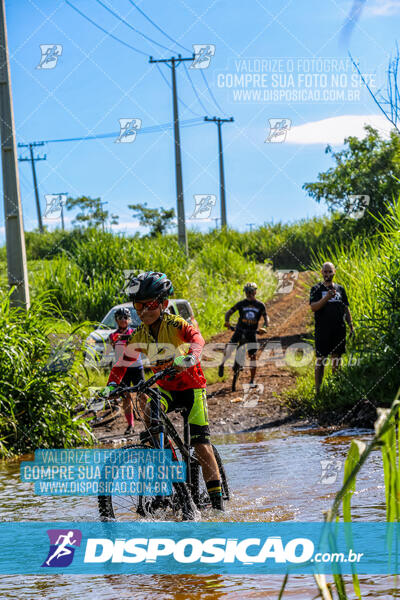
370,273
35,401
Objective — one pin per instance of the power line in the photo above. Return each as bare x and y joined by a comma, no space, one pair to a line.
169,85
146,37
153,129
194,89
157,27
184,48
211,94
141,51
105,30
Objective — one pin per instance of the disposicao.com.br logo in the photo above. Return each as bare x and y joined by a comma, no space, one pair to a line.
196,547
192,550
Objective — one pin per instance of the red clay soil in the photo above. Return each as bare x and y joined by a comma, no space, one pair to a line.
290,320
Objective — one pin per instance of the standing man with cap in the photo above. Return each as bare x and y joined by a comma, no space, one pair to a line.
330,305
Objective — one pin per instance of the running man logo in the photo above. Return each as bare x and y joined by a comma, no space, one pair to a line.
330,470
50,55
54,203
252,393
131,286
278,129
128,130
63,543
358,204
202,55
204,203
286,280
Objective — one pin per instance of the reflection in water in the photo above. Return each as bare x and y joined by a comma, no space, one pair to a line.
275,475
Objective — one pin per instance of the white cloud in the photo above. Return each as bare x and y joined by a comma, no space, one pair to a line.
382,8
127,226
335,129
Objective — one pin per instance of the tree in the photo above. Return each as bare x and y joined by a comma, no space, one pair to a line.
387,101
368,166
92,212
158,219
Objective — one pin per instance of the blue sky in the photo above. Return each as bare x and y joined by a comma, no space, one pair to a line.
281,47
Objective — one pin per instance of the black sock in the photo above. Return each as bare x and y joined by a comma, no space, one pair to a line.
215,492
214,487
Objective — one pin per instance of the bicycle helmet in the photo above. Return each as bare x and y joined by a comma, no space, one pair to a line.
150,285
122,313
250,287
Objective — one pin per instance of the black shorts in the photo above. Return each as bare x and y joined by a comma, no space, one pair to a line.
332,343
194,401
133,376
246,337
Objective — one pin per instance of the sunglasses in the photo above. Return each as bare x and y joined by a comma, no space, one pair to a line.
151,305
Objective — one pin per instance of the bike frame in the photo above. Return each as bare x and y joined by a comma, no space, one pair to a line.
160,425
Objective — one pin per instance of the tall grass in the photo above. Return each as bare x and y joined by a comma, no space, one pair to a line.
88,280
286,245
370,273
35,399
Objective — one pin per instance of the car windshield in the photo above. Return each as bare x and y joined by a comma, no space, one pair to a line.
109,320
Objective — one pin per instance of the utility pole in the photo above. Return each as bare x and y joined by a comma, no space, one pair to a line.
32,160
182,237
15,239
216,219
219,122
102,210
251,226
62,209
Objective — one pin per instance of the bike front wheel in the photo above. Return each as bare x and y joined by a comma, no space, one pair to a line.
178,505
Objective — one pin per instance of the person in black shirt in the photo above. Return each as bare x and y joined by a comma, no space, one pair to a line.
250,312
330,305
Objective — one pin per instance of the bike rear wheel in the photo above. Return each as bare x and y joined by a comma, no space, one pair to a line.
128,508
198,486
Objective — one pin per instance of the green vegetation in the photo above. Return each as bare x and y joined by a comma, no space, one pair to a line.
39,386
87,279
366,166
158,219
370,273
91,212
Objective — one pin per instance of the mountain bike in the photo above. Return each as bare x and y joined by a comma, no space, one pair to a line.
240,354
187,497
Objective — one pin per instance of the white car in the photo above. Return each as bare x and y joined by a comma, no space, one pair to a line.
98,352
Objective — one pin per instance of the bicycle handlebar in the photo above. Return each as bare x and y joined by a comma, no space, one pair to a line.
144,385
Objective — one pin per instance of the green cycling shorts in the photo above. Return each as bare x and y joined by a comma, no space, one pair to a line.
195,403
